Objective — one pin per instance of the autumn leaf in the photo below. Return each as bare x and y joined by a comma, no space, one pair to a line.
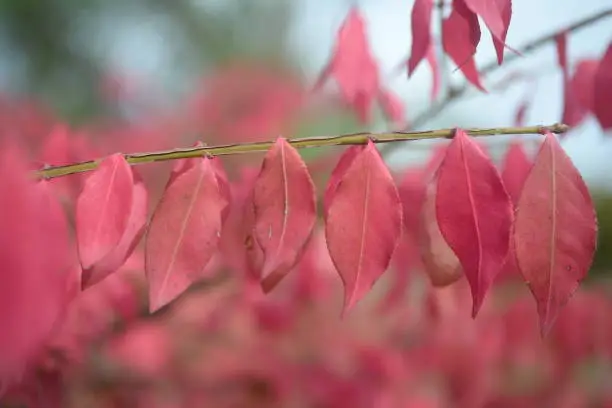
515,169
129,240
285,211
460,37
573,111
420,24
439,261
602,105
337,174
583,83
103,209
184,232
555,231
363,224
35,261
474,213
353,66
496,15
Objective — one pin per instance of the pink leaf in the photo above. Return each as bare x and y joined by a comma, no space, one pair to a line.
103,209
583,83
515,169
440,262
35,264
474,212
363,224
337,174
496,15
353,65
460,37
184,232
421,32
505,7
602,99
129,240
555,232
285,211
573,111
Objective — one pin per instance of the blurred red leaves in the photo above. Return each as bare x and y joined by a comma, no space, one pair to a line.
246,102
84,336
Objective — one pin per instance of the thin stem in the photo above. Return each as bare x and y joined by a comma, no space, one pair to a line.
531,46
309,142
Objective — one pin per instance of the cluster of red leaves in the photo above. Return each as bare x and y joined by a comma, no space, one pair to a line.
458,218
535,217
475,220
228,348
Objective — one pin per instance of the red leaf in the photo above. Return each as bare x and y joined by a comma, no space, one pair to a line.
345,161
474,213
103,209
460,37
285,211
515,169
240,250
129,240
583,83
555,232
573,111
363,224
35,263
496,15
440,262
505,7
393,107
420,20
436,79
353,65
184,232
602,101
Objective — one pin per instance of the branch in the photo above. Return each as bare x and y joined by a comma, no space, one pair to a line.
318,141
492,66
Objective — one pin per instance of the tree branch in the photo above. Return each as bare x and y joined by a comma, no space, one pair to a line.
318,141
492,66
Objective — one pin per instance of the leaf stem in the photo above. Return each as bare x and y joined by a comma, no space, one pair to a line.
308,142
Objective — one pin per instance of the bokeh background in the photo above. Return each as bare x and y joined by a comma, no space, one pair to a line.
149,74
